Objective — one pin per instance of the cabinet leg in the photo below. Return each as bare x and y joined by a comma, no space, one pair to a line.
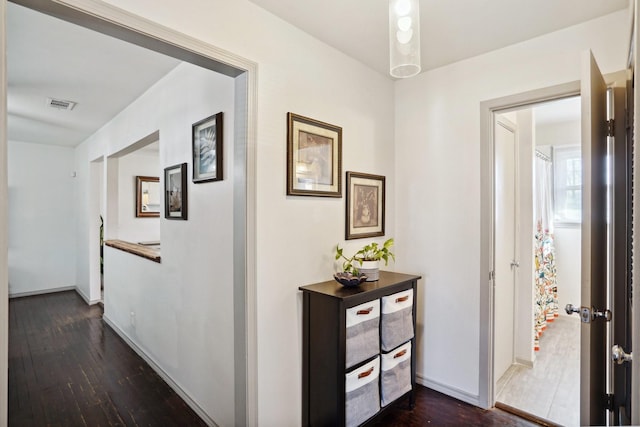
412,400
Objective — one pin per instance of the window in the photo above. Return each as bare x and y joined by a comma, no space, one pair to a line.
567,185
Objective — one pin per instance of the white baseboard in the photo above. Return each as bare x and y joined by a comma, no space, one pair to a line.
85,297
469,398
196,408
54,290
42,292
523,362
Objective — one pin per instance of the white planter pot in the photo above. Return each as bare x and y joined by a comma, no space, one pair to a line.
370,268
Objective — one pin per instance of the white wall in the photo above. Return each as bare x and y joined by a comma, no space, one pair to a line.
41,217
87,226
567,241
560,133
130,227
183,307
296,235
438,181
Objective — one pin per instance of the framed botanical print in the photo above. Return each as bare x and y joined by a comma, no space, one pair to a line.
207,149
314,157
365,205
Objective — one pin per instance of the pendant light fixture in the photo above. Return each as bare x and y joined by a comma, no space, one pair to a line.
404,38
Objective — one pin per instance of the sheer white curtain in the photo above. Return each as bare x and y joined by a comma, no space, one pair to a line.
546,291
543,208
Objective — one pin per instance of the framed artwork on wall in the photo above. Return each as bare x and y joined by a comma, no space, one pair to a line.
175,192
365,205
147,196
207,149
314,157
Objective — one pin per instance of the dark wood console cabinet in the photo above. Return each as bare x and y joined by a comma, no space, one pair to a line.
324,345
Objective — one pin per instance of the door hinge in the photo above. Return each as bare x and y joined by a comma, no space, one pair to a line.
611,127
608,402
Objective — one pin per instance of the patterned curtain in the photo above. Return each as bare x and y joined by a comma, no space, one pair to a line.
545,287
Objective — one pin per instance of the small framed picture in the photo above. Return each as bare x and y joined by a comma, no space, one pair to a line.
147,196
314,157
365,205
175,192
207,149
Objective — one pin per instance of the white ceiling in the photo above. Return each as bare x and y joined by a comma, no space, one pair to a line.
47,57
450,30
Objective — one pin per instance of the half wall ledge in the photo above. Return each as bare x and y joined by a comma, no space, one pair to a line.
136,249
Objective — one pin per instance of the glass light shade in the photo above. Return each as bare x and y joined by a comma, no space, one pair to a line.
404,23
402,7
404,38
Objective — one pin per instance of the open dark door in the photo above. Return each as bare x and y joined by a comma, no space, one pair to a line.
606,306
621,241
593,337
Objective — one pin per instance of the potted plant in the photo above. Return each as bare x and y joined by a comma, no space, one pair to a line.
367,259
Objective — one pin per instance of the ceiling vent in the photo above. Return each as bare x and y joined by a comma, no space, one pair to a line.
61,104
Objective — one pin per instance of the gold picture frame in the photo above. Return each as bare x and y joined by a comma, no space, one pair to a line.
147,197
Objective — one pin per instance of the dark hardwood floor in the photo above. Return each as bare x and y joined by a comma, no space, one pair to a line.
436,409
68,368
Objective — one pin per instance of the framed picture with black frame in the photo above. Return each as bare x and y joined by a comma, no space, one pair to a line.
365,205
175,192
207,149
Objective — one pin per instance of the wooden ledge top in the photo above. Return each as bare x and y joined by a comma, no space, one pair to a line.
135,249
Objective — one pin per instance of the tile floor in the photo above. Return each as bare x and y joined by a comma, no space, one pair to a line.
551,389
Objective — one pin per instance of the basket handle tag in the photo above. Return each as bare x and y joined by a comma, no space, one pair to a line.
400,353
365,311
365,373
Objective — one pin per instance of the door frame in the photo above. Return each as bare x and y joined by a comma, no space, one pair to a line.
132,28
488,109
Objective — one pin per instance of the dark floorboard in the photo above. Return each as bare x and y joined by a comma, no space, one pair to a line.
436,409
68,368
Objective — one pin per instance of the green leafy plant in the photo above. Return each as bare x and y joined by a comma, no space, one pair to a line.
371,252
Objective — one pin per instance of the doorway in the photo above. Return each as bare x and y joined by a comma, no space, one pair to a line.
605,297
537,259
91,14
